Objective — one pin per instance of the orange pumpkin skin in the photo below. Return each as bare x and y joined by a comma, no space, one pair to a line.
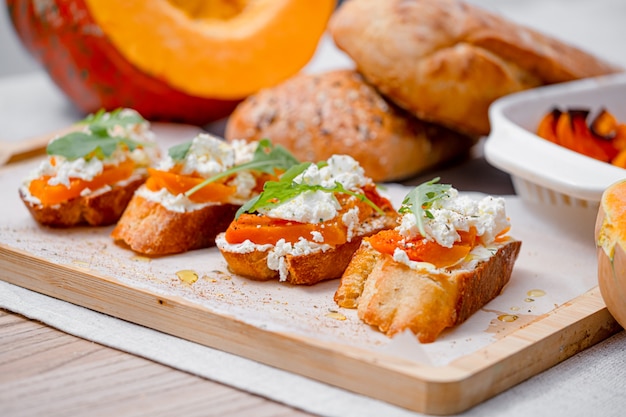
84,61
610,235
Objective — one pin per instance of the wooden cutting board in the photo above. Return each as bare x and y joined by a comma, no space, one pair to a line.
552,293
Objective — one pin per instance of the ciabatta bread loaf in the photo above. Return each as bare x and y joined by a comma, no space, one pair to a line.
446,61
448,257
316,116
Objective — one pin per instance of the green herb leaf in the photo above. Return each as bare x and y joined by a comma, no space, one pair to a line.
76,145
421,199
279,192
273,191
179,152
98,142
100,122
267,158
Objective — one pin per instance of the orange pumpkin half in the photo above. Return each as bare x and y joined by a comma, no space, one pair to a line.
610,235
181,60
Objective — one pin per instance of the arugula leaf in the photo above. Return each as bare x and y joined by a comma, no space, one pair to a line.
267,158
272,190
179,152
279,192
101,121
76,145
97,142
421,199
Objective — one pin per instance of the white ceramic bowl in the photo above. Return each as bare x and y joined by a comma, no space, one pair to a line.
544,172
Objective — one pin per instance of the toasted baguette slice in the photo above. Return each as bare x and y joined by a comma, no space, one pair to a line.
302,269
95,209
149,228
393,297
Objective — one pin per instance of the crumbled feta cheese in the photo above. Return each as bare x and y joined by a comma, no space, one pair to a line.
276,256
245,183
63,170
341,168
320,206
177,203
307,207
459,213
244,247
210,155
351,220
317,236
244,150
139,132
456,213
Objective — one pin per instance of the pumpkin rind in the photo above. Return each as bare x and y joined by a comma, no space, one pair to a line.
88,67
610,236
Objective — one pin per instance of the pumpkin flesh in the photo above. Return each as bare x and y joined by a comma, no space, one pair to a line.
198,52
610,235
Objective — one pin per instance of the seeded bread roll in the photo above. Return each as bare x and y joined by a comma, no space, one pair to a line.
337,112
446,61
393,297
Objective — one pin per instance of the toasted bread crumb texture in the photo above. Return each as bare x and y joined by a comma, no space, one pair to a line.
394,298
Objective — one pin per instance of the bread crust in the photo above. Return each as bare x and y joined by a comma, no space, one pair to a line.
393,297
337,112
446,61
306,269
94,209
149,228
301,270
